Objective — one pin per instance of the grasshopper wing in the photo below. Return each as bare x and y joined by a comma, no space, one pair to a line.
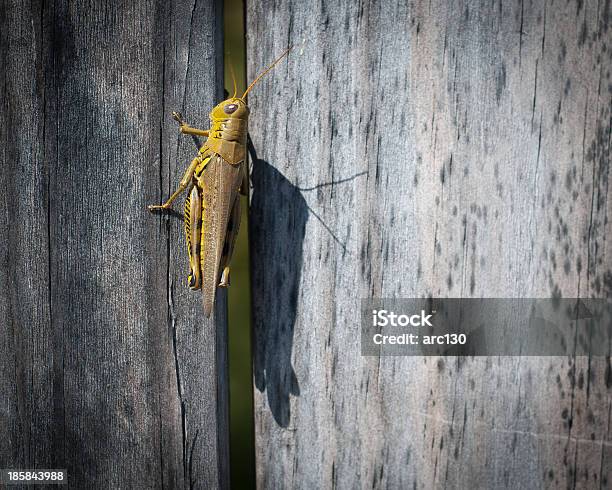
219,183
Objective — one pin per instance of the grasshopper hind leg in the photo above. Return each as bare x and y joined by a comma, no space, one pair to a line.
193,225
230,240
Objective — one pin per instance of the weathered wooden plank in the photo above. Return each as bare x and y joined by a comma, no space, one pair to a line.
26,386
107,368
427,148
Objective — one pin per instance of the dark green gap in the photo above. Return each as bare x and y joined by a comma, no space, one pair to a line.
242,442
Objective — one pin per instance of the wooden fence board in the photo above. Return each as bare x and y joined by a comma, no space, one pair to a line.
106,365
407,149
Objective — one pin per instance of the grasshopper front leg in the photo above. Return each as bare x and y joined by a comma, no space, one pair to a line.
185,181
186,129
187,178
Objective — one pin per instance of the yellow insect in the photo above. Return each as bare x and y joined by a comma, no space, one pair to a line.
214,181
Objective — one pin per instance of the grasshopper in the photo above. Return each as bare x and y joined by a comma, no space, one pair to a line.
214,181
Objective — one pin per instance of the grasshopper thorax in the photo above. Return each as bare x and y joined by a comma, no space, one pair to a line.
228,130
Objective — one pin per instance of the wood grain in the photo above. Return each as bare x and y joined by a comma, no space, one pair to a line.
106,365
406,149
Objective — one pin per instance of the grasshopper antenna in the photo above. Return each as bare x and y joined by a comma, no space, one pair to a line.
266,71
231,67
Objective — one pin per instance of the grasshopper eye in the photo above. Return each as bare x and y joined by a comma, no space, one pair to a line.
229,108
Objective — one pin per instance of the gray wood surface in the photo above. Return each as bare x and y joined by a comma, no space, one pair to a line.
406,149
106,365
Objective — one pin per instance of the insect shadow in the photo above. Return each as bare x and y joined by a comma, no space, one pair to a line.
277,225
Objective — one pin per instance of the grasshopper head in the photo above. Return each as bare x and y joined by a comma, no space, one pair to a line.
232,108
235,107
